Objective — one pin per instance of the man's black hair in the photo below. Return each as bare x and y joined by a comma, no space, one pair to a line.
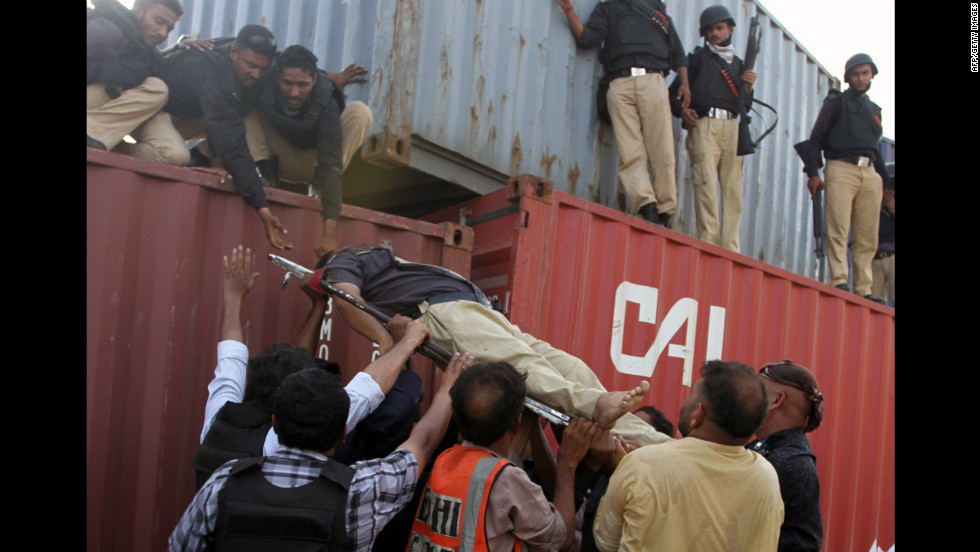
173,5
736,398
269,368
328,365
297,56
658,420
310,409
258,39
486,400
359,248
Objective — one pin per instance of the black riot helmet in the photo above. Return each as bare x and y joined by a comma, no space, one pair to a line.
859,59
714,14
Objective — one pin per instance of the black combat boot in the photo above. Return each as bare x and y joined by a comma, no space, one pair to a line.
649,213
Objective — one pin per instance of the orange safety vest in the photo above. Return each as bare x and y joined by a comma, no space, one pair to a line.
451,513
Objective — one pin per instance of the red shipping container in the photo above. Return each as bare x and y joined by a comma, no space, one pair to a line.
637,301
155,239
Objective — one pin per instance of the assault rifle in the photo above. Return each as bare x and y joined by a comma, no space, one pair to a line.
428,348
819,222
754,44
746,144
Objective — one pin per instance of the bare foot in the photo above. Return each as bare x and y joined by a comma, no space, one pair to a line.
613,404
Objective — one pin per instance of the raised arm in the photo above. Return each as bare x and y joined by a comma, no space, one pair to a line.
427,433
409,334
573,20
239,279
362,322
575,442
307,335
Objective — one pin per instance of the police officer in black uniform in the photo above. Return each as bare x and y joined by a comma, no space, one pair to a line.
848,131
640,46
303,133
720,91
122,66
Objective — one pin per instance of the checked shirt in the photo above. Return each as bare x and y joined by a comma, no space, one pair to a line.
380,488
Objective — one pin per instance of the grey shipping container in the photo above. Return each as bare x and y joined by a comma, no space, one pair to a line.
467,93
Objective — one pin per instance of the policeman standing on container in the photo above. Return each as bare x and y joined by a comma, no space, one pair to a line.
848,132
639,48
718,87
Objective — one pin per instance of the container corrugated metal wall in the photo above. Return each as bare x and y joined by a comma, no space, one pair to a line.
473,92
155,239
637,301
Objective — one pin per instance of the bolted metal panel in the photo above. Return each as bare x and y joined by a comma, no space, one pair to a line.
156,236
637,301
473,92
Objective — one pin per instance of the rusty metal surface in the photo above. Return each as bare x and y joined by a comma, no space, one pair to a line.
155,239
636,301
474,92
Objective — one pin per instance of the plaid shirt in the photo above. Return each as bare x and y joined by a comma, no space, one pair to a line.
380,488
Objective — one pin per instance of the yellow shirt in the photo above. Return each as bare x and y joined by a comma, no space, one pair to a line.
690,495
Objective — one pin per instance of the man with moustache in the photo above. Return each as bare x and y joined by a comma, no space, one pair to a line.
705,491
848,132
304,122
719,85
123,66
210,91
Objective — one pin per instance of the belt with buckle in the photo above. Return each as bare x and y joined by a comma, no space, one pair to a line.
860,160
635,72
719,113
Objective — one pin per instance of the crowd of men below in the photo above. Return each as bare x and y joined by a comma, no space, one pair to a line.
291,457
270,118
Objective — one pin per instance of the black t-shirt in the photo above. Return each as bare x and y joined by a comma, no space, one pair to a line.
392,286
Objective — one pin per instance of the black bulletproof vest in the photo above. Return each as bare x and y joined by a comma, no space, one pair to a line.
254,514
300,132
631,32
709,87
854,131
238,431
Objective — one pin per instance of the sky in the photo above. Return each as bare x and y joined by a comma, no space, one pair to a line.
834,30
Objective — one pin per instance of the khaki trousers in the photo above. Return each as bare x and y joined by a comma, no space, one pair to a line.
108,120
713,145
298,165
853,198
883,277
554,377
641,121
163,139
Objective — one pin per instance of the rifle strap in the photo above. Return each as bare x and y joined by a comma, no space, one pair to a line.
655,13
